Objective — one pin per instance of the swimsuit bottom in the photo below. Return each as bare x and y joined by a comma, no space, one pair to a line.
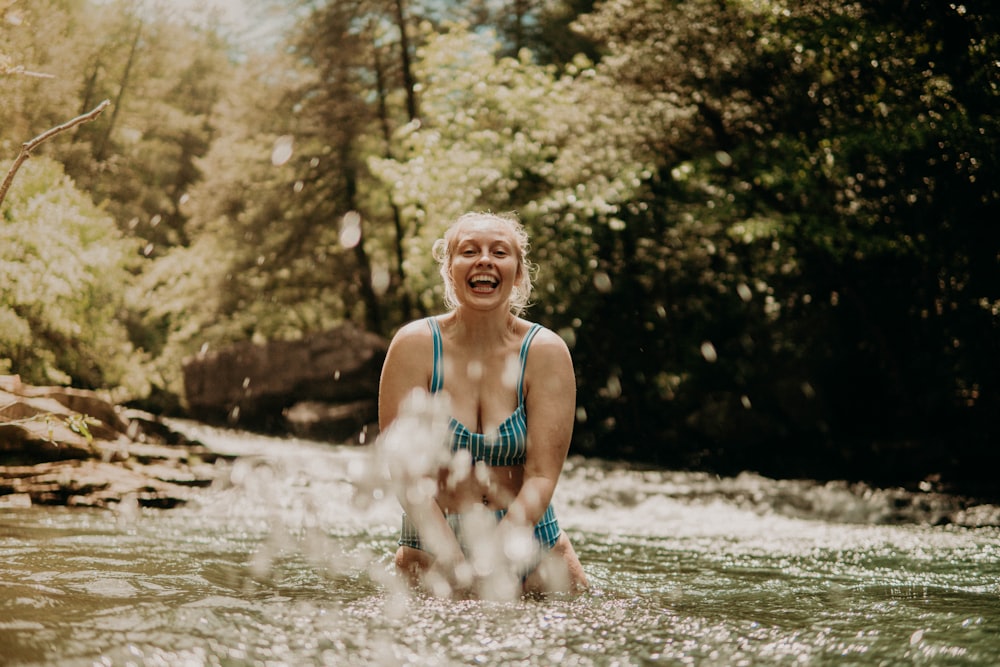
546,530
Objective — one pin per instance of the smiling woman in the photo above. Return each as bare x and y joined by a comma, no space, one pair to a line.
477,233
492,369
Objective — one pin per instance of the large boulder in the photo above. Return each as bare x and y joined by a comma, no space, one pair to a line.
343,422
254,385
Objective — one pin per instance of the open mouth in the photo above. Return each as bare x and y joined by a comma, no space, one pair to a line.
483,283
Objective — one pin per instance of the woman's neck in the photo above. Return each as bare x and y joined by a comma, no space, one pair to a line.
483,326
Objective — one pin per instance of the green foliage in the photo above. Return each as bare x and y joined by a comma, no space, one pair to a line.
165,78
504,133
733,190
37,90
63,271
759,224
265,259
838,125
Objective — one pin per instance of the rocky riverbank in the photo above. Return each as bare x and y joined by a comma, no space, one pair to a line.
63,446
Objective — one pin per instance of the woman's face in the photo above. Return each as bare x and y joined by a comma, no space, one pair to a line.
485,264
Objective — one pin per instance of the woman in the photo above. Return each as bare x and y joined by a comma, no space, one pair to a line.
512,405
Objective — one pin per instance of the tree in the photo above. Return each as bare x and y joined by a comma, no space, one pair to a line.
64,267
38,91
543,27
168,76
828,130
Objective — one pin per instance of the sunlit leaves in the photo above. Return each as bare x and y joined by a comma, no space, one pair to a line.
506,133
62,280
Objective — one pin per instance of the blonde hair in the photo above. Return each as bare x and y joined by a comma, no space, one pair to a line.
444,249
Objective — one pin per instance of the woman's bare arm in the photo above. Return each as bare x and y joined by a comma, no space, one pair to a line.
550,405
406,370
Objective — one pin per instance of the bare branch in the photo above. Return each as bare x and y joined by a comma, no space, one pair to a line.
29,146
25,72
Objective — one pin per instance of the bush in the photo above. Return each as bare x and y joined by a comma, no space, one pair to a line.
63,274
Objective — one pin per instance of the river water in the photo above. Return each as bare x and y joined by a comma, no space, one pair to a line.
286,561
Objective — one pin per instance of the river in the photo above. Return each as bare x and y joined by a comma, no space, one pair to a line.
286,561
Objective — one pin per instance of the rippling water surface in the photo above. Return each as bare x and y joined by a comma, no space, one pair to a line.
287,563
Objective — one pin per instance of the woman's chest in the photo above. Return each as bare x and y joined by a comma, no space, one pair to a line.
483,389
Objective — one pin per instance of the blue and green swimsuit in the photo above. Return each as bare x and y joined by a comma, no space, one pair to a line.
508,446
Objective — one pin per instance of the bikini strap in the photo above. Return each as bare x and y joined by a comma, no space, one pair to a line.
437,376
535,328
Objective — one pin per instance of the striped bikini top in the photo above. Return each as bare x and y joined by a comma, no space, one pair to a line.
508,445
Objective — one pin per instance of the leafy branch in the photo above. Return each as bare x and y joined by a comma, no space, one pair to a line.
29,146
78,423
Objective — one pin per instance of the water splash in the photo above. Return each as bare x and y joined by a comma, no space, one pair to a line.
295,507
415,451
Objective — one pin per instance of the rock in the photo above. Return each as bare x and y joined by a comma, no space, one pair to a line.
91,484
334,422
42,429
254,384
72,447
79,401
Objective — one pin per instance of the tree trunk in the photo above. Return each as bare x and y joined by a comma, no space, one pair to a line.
89,87
397,217
102,148
404,52
373,317
520,10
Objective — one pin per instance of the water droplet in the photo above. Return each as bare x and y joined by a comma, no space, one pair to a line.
569,336
380,280
350,229
282,151
708,351
613,387
744,292
602,282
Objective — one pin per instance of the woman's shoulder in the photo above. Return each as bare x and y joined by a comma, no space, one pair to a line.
415,333
545,340
410,353
549,366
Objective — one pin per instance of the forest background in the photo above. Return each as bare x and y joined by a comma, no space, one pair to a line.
768,230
